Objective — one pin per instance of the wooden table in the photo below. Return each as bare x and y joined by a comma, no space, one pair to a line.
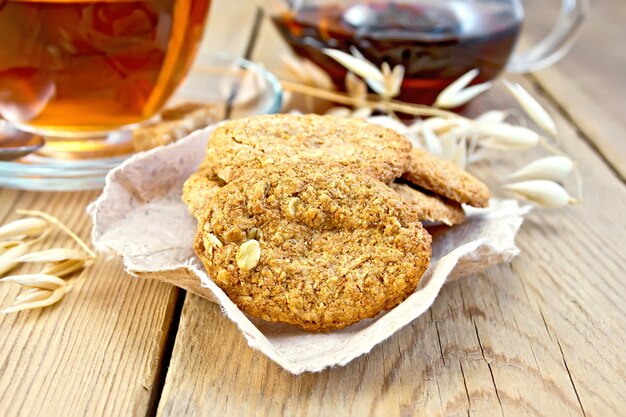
543,336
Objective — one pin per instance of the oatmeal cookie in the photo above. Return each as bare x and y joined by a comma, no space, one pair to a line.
446,179
242,145
312,244
200,188
430,207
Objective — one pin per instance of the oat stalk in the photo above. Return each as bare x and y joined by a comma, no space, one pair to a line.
61,226
451,136
46,287
52,255
343,98
23,228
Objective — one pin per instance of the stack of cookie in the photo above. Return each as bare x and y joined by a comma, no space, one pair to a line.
315,221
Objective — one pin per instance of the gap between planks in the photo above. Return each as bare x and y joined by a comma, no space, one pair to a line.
248,48
61,334
166,356
487,339
595,148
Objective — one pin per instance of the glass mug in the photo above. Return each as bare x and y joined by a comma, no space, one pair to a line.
437,41
79,68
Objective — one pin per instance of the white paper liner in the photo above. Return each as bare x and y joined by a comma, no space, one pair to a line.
141,218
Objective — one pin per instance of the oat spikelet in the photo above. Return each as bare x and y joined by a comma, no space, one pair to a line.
555,168
47,282
385,82
458,93
463,96
54,296
506,136
63,268
392,81
8,260
395,80
362,113
460,156
492,116
461,82
450,144
395,124
438,124
356,88
34,294
341,112
431,141
531,106
542,192
8,244
360,67
30,226
357,54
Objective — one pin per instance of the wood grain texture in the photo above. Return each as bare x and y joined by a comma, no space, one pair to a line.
572,268
98,352
227,29
542,336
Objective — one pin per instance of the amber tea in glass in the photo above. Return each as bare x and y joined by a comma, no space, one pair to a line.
78,67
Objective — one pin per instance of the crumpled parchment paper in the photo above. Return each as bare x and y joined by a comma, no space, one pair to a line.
141,218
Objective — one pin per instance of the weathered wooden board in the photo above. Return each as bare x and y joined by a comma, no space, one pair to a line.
542,336
99,351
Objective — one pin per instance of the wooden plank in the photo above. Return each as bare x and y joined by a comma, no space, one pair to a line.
571,272
228,28
588,84
543,336
7,199
98,351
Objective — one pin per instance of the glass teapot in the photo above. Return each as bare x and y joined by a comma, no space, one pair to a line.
437,41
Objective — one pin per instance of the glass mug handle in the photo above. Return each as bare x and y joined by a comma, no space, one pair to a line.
558,42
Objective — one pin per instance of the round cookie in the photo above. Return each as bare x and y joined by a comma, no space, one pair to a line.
312,245
430,207
242,145
446,179
200,188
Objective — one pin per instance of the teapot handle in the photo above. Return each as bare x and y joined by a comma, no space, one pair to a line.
558,42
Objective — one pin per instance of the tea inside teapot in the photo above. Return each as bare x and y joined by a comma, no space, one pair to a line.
436,41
